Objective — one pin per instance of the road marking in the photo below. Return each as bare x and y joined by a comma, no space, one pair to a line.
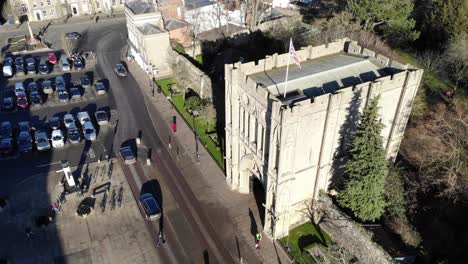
48,164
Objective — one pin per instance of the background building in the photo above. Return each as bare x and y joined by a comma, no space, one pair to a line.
147,38
294,144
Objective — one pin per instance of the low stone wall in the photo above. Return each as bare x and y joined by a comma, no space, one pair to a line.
350,235
190,76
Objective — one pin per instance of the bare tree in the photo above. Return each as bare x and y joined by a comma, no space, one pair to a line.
339,26
457,59
67,44
437,147
255,13
10,10
335,254
430,60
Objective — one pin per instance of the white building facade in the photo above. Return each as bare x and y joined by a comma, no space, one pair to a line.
148,40
294,144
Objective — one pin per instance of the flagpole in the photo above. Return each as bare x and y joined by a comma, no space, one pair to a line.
287,68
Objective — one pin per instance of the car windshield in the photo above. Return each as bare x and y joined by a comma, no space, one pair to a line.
101,116
151,206
57,137
41,140
89,131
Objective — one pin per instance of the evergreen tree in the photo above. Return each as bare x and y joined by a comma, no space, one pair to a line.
389,17
364,190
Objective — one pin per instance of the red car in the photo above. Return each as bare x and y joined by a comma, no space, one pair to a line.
52,58
21,100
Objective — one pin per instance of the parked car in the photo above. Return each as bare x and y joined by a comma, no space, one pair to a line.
6,146
32,86
58,141
35,97
54,122
19,65
30,65
24,141
59,81
88,131
42,141
73,135
24,126
47,87
72,35
151,206
127,155
19,70
62,94
101,118
69,120
52,58
120,70
85,81
19,87
65,63
75,93
83,117
77,64
5,130
21,100
44,66
8,67
100,88
8,104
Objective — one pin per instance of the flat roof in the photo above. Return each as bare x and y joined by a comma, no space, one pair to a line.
322,75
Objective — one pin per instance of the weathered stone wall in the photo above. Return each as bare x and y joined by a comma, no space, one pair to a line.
190,76
350,235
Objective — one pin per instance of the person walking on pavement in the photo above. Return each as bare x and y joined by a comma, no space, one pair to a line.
258,240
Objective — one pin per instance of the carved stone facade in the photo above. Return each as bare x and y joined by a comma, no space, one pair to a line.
293,145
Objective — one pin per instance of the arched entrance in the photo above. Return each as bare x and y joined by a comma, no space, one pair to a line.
252,181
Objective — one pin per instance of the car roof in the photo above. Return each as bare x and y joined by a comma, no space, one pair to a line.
54,118
88,124
68,115
57,132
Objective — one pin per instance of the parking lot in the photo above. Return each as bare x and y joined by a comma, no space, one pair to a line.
109,234
18,166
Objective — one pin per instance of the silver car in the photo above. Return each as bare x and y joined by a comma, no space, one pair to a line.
88,131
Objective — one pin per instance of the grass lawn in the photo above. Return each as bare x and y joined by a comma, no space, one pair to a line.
201,122
304,237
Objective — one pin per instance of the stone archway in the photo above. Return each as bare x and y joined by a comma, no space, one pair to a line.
248,168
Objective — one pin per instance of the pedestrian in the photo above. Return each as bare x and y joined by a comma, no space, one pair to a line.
55,208
258,236
97,18
258,245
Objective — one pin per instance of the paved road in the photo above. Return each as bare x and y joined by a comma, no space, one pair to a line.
134,119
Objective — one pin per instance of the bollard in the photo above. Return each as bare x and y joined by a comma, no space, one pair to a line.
148,161
99,161
138,141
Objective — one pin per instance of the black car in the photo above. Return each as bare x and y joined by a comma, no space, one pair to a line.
19,62
73,135
6,146
24,126
77,64
24,141
151,206
85,81
72,35
6,130
43,68
8,104
75,93
62,94
54,122
35,98
20,70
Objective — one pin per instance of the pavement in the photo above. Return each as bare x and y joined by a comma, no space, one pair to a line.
235,216
111,236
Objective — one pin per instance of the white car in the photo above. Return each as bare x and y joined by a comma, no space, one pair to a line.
88,131
83,117
69,120
57,139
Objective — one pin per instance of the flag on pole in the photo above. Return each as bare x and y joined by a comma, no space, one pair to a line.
293,55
